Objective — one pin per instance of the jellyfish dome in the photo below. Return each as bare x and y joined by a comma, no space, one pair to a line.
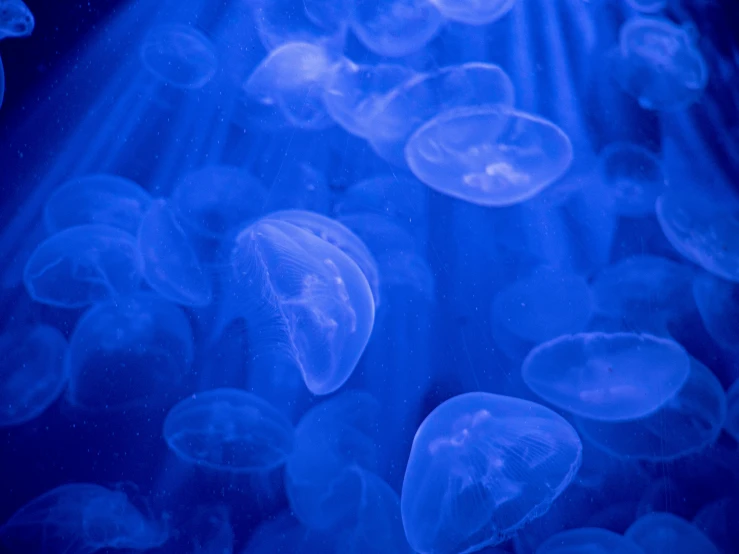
482,466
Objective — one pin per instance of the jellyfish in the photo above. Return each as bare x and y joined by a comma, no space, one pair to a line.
607,376
633,177
82,518
228,430
658,64
132,352
491,156
395,28
170,264
647,6
180,56
664,532
97,199
718,304
82,265
290,81
32,374
732,410
473,12
481,466
687,423
588,539
704,231
16,20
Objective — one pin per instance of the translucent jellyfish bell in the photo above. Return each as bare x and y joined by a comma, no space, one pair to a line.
97,199
130,352
607,377
665,532
658,64
16,20
32,372
81,517
179,56
633,177
586,540
490,155
482,466
228,430
718,305
82,265
473,12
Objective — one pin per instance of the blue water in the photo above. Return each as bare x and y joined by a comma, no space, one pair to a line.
370,277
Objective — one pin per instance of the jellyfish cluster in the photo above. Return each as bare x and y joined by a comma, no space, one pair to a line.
372,277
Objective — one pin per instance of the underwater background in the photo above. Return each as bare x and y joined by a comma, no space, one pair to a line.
369,276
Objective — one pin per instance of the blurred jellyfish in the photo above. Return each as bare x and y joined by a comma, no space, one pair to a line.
132,352
32,374
397,27
491,156
718,305
322,22
473,12
658,64
647,6
684,425
588,539
228,430
482,466
732,410
179,56
97,199
16,20
82,265
633,178
170,264
664,532
81,518
607,377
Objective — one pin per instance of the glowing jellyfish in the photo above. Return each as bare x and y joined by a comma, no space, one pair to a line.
633,178
81,518
718,305
82,265
16,20
704,232
217,200
490,155
228,430
129,353
32,372
647,6
482,466
396,27
474,12
353,93
179,56
658,64
607,377
97,199
664,532
684,425
279,22
335,446
290,80
170,264
732,413
588,539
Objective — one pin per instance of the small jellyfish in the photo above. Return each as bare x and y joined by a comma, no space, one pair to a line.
396,27
474,12
291,80
81,518
228,430
179,56
482,466
129,352
684,425
586,540
703,231
82,265
279,22
732,410
718,306
170,264
658,64
16,20
660,532
32,374
647,6
633,177
607,377
489,155
97,199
